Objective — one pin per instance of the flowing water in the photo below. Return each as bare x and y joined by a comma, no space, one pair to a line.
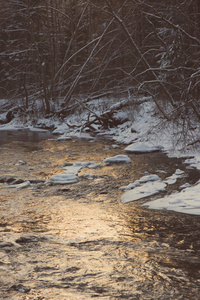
79,241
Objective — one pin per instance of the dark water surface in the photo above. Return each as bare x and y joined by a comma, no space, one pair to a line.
79,241
23,135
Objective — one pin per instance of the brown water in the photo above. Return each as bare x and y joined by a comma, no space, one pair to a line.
79,242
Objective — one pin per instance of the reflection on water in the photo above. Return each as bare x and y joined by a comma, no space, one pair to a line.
79,242
7,136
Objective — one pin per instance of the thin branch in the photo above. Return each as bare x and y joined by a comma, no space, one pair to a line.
177,27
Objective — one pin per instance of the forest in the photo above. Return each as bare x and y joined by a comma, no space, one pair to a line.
66,52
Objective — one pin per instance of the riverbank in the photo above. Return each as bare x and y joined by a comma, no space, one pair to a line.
144,128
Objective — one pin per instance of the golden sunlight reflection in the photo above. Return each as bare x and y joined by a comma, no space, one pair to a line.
80,220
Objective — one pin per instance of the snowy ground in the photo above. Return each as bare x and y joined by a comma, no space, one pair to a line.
145,132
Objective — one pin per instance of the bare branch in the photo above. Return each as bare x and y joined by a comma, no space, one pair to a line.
146,63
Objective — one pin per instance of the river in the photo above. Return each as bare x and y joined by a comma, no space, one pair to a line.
79,241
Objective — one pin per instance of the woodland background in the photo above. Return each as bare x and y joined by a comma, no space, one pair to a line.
78,50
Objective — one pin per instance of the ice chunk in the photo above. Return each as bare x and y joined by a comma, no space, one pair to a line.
115,146
64,138
117,159
20,185
148,189
130,186
141,147
173,178
20,163
143,179
185,185
63,179
76,167
151,177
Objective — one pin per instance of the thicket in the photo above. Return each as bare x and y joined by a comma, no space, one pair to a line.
59,49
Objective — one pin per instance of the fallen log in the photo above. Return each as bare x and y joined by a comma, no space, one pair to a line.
107,119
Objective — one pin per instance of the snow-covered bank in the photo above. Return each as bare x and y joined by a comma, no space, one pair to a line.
144,132
186,201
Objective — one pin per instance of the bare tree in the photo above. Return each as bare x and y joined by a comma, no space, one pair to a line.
61,49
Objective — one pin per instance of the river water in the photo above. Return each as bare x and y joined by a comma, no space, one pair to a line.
79,241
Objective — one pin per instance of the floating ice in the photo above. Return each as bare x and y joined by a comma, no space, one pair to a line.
179,172
173,178
106,148
71,171
148,189
20,163
117,159
141,147
90,176
20,185
63,179
115,146
64,138
146,178
161,171
186,185
147,185
151,177
75,168
130,186
93,165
